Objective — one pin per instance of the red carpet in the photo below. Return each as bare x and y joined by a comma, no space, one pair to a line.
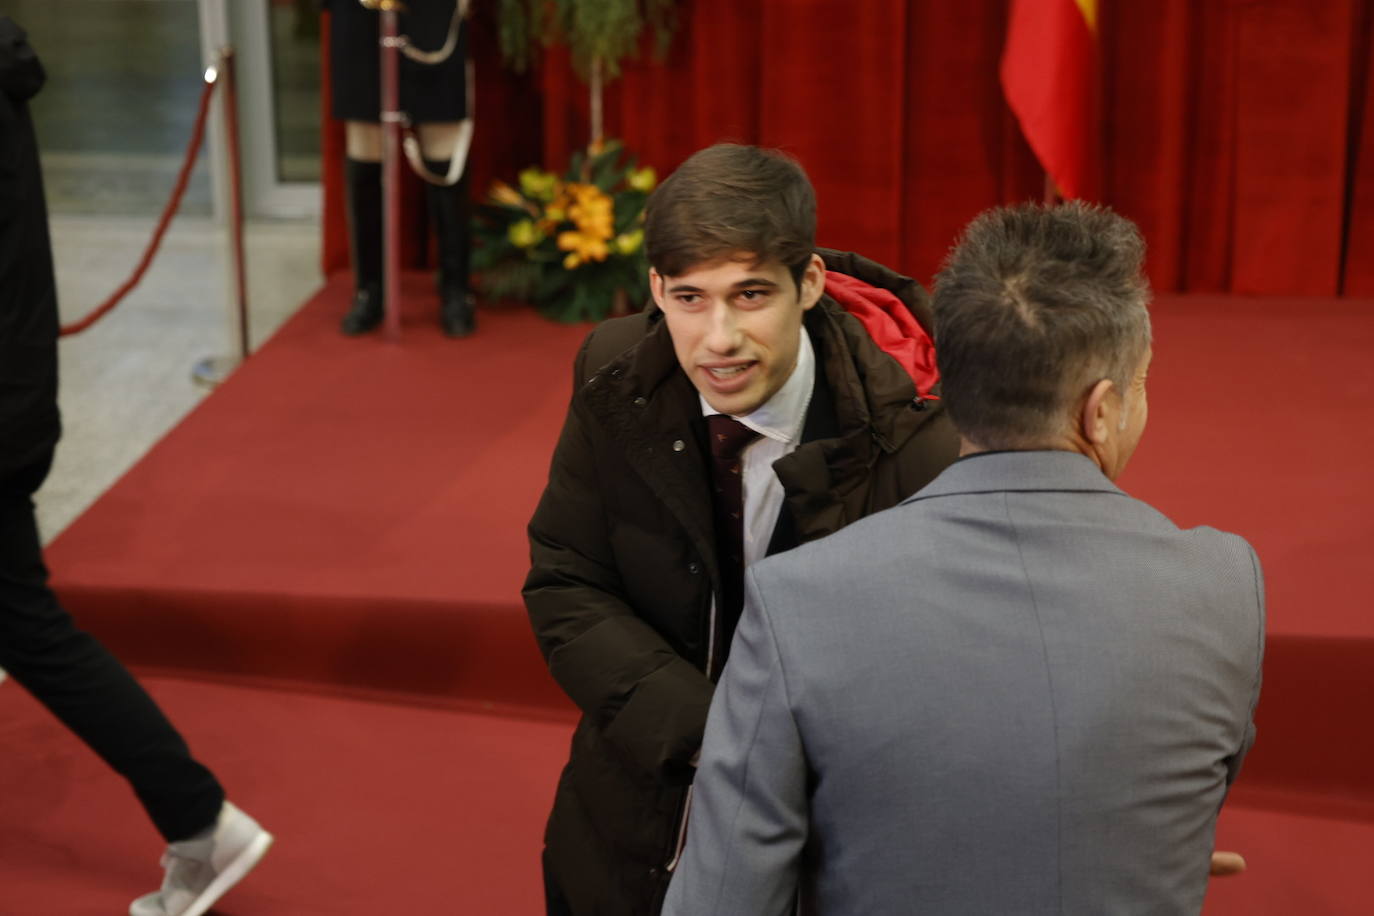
376,809
388,809
1262,423
348,516
341,511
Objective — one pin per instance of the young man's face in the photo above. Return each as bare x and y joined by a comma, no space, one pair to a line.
736,326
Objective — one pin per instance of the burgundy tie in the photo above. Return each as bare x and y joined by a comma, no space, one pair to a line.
729,438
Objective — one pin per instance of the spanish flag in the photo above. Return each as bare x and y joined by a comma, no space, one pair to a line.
1049,75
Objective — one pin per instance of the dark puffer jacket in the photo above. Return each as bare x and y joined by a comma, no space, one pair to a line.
29,424
624,568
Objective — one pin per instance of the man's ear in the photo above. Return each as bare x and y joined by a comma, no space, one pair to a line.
812,282
656,287
1097,419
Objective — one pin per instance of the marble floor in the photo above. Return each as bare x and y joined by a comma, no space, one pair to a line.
127,380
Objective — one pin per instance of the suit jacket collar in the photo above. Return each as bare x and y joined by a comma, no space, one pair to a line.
999,472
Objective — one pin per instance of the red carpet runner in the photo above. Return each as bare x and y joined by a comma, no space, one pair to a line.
377,809
347,516
342,511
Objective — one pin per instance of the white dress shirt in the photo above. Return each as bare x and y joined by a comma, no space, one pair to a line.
779,422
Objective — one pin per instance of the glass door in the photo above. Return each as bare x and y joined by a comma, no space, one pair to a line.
277,52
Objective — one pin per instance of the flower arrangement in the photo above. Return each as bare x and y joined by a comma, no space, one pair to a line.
570,245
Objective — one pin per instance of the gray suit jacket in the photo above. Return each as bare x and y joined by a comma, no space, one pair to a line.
1020,691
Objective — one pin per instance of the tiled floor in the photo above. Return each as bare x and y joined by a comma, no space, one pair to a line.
127,379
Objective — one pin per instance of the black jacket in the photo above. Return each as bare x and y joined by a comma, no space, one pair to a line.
429,92
29,424
623,568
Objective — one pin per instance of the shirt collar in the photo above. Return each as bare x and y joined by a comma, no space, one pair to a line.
782,416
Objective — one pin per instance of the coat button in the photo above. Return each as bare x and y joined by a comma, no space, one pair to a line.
653,872
679,445
694,568
640,402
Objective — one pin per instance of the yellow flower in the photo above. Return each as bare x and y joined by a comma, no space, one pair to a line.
592,211
643,179
538,184
503,193
595,224
524,234
556,214
582,248
629,242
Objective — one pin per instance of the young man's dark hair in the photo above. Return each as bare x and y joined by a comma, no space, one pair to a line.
1033,303
729,198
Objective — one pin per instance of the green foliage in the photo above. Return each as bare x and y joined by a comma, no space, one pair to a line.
519,31
605,30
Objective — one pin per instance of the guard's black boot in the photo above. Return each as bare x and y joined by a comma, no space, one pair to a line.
363,183
450,209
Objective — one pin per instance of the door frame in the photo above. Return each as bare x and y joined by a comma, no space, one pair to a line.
244,25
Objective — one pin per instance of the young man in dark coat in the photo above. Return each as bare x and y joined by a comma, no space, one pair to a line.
211,843
748,410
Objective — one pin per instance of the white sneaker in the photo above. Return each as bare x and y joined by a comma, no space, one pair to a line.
202,869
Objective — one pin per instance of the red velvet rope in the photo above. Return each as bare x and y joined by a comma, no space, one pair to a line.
192,148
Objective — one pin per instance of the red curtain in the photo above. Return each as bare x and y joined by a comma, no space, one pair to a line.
1357,262
1237,133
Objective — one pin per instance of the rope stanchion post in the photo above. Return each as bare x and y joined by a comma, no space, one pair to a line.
230,107
212,370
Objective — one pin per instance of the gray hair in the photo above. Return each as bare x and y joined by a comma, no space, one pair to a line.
1033,306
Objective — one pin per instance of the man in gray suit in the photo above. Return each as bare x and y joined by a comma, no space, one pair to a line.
1020,691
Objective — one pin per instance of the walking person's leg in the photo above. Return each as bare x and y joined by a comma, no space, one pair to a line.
91,692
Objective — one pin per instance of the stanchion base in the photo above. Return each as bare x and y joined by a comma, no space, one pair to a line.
212,370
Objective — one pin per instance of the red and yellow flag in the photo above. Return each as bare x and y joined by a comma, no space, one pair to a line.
1049,75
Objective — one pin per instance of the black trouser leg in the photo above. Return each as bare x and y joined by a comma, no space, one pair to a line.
555,904
451,211
85,686
363,186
